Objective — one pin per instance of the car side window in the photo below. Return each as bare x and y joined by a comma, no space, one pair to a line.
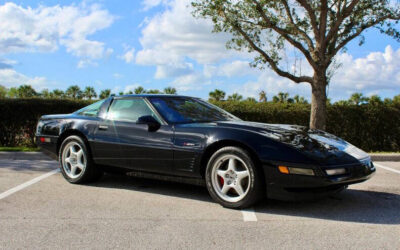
91,110
129,110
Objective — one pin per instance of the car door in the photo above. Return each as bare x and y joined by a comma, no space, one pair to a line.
141,148
106,144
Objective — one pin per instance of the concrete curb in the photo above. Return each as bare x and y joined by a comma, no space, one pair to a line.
385,157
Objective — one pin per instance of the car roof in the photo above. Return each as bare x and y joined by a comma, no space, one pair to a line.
154,95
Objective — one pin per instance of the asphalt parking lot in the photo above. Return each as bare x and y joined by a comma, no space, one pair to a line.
39,209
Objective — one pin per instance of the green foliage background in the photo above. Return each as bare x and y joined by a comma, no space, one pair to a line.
372,127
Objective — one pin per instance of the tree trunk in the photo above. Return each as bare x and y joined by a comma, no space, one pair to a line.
318,103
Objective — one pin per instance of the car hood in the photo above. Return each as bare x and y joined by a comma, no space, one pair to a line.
57,116
316,144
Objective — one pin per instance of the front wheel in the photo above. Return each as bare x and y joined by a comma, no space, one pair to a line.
76,164
232,178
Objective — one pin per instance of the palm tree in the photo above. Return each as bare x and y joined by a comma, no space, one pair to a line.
262,96
251,99
281,97
357,99
216,95
57,93
235,97
45,93
12,92
153,91
105,93
3,91
299,99
90,93
139,90
26,91
170,91
74,92
375,100
396,100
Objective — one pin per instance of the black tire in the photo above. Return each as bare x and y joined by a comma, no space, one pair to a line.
256,188
90,173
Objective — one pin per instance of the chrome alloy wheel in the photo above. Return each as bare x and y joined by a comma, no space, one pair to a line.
230,178
73,160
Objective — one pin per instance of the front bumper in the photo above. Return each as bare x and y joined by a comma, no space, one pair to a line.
300,187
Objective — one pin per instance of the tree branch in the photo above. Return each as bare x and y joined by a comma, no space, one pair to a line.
360,30
284,33
295,26
272,63
342,15
311,14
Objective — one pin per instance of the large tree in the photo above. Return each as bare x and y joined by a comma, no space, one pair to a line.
316,29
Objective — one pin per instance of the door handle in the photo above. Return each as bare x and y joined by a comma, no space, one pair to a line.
103,127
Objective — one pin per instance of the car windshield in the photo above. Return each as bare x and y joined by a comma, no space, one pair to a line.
189,110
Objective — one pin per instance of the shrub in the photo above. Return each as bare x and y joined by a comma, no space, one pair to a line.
370,127
19,117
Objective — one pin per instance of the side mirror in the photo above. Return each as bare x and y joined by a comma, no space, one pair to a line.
153,124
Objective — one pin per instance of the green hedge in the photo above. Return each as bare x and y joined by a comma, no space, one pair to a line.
370,127
19,117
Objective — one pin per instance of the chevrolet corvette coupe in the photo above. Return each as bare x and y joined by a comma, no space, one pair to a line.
185,139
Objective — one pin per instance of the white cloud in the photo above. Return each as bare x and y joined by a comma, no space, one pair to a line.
117,76
44,28
11,78
187,82
128,56
83,63
148,4
230,69
174,35
378,70
7,64
177,70
130,87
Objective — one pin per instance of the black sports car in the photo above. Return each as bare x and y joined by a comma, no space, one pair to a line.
183,138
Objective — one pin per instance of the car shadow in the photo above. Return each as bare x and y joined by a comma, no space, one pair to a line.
160,187
350,205
28,166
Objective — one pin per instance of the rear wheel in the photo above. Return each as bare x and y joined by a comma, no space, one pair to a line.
232,178
76,163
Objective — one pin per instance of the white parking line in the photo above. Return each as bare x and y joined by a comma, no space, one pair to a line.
387,168
249,214
27,184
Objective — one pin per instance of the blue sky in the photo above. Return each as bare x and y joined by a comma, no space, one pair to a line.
157,43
